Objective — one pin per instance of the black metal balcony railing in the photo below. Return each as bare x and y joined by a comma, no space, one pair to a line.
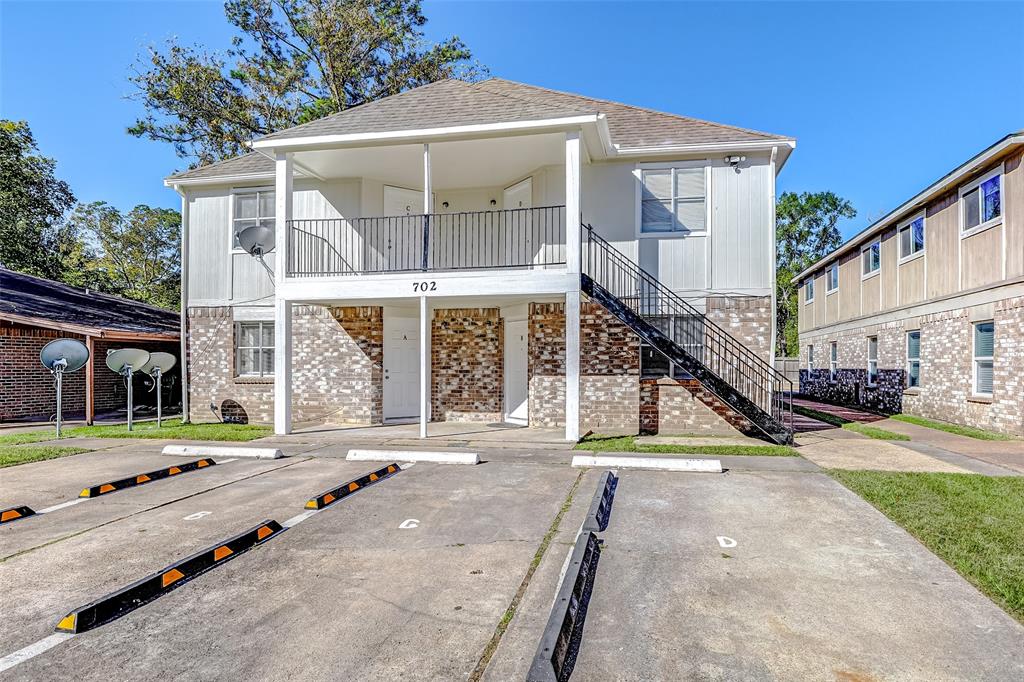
515,238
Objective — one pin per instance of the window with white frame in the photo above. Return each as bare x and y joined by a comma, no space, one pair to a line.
254,349
912,237
672,200
252,208
981,202
914,359
833,361
809,291
984,347
832,279
871,259
810,356
872,361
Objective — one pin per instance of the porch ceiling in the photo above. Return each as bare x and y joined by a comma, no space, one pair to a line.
454,165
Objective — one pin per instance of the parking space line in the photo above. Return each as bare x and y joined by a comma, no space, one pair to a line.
64,505
33,650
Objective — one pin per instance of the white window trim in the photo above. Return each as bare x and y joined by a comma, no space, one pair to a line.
900,258
638,183
906,349
872,384
810,356
232,249
988,224
833,362
829,292
813,288
877,271
239,348
975,357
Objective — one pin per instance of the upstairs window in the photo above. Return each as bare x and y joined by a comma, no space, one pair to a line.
871,259
254,349
872,361
809,291
832,279
981,203
984,348
252,208
912,237
913,359
672,201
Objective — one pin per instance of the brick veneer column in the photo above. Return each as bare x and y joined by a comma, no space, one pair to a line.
467,365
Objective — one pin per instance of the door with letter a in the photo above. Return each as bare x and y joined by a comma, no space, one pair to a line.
401,367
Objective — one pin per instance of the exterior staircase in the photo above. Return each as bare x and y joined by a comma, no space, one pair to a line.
732,373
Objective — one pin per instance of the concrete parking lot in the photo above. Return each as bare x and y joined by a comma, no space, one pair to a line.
768,571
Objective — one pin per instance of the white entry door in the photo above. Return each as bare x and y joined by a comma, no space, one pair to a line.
517,403
519,195
401,367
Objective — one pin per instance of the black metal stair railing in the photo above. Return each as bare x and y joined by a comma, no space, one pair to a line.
735,374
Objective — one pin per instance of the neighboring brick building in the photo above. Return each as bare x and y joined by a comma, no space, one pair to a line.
923,312
35,311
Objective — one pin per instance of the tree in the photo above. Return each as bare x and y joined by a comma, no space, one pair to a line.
805,231
291,61
32,204
134,255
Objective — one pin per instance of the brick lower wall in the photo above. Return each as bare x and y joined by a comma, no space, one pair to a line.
680,407
748,319
467,372
946,368
27,389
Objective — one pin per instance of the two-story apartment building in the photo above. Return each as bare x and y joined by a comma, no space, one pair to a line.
492,252
923,311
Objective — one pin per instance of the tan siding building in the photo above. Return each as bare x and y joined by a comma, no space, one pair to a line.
928,315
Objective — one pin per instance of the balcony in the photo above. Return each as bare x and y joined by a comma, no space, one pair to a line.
522,238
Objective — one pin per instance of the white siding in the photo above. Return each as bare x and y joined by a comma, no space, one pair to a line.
741,249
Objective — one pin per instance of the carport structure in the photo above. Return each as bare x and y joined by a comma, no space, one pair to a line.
34,311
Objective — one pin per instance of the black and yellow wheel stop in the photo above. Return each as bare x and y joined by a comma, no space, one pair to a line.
140,479
143,591
345,489
15,513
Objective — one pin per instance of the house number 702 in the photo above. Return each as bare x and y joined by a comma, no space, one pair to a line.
424,286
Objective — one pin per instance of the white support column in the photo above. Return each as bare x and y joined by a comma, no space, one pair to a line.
425,327
573,205
572,365
183,360
428,182
282,307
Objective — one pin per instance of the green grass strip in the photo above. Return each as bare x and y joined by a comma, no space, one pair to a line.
974,523
12,455
874,432
596,443
172,429
958,429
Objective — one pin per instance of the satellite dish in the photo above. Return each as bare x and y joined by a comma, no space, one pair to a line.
125,362
162,361
70,354
258,240
60,356
122,358
156,366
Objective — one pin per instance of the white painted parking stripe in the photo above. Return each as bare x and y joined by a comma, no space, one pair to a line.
299,518
63,505
33,650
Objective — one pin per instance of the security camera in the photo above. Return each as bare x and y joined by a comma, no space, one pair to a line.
735,160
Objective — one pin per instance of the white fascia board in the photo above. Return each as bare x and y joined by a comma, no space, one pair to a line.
766,145
918,200
217,179
420,134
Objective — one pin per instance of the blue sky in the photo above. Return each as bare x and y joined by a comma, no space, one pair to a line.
883,98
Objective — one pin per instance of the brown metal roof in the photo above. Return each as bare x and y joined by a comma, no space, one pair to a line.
24,298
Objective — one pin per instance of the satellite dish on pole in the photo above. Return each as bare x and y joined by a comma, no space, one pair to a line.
124,361
158,365
63,355
258,240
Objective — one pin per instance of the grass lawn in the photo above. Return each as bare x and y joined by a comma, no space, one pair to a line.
974,523
172,429
958,429
23,454
856,427
628,444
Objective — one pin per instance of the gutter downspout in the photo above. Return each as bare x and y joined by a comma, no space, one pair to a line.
184,305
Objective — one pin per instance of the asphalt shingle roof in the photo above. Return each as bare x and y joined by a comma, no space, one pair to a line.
453,103
28,296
